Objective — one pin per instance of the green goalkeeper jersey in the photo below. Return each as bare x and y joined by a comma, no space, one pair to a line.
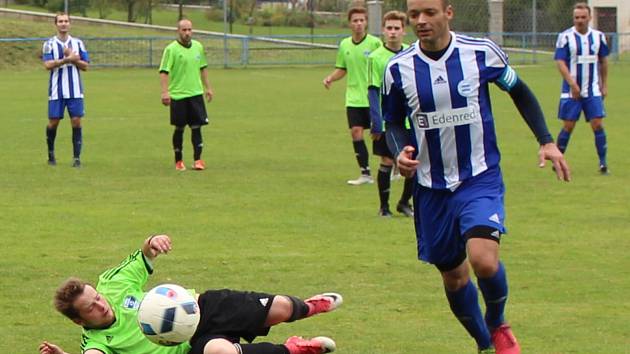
182,66
122,288
352,57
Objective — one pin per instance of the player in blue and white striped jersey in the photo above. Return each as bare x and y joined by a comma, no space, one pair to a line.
442,84
64,56
581,56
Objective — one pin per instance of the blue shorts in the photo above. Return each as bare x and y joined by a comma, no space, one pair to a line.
570,109
57,107
443,217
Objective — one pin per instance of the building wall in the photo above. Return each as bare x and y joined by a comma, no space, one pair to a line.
623,19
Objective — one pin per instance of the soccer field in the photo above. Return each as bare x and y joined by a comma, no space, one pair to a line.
272,212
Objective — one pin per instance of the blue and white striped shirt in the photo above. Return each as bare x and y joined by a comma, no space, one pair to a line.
448,103
65,81
581,53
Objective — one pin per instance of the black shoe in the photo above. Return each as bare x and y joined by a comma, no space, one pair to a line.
51,159
404,209
76,162
385,212
603,169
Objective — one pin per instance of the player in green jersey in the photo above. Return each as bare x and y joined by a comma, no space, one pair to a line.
352,61
184,82
108,314
393,31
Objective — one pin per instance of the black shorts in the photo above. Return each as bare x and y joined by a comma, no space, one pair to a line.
358,117
379,147
188,111
231,315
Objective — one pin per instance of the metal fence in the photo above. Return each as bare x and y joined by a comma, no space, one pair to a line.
241,51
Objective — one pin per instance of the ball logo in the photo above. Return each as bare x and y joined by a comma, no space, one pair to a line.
168,292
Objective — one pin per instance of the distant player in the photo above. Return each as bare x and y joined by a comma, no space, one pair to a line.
581,56
65,57
393,31
442,84
184,82
108,314
352,61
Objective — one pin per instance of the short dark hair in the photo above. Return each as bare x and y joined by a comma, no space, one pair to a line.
61,14
582,6
66,294
395,15
357,10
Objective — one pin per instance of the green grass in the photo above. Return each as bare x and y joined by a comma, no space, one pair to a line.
273,213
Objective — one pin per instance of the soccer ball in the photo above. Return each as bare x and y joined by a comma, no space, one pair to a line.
168,315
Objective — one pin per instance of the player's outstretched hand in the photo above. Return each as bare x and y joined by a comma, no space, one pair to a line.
49,348
157,244
406,163
551,152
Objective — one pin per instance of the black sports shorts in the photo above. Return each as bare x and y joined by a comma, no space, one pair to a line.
188,111
358,117
231,315
379,147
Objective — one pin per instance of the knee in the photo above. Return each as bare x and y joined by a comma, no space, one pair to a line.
357,133
219,346
485,266
280,311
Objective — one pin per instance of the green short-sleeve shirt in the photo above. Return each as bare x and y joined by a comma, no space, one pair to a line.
377,61
182,64
352,57
122,287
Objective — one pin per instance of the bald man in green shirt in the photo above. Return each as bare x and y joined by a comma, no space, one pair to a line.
352,62
184,82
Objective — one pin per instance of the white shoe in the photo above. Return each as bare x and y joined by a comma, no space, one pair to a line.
395,176
363,179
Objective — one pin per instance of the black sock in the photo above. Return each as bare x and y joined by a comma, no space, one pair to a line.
178,140
300,309
407,191
383,181
261,348
77,141
197,142
361,153
51,134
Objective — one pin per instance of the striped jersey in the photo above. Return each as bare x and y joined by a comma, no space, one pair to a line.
581,53
65,81
448,103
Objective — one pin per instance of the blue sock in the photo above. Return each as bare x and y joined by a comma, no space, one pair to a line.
495,292
465,306
51,134
77,141
600,144
563,140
